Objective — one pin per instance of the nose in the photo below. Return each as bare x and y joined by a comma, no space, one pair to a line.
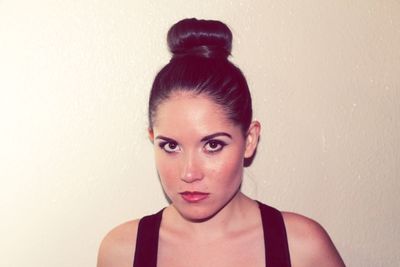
191,169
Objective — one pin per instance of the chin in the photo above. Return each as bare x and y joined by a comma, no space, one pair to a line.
198,213
198,217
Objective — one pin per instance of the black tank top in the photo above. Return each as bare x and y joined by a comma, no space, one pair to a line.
275,239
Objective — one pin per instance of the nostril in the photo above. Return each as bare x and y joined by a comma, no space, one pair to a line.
191,177
191,174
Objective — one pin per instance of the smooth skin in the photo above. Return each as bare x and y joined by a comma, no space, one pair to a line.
198,149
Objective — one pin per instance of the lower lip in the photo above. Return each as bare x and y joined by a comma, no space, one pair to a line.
194,197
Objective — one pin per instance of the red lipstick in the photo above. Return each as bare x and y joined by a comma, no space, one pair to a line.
194,196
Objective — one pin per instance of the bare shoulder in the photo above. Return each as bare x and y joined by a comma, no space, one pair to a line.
118,246
309,243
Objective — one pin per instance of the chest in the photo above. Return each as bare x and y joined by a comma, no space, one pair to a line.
234,251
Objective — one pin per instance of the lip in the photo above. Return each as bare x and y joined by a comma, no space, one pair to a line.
194,196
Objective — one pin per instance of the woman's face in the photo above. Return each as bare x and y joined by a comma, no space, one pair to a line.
199,154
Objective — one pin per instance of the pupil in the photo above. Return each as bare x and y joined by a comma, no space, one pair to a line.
172,145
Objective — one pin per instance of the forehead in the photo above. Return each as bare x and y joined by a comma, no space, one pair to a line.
188,110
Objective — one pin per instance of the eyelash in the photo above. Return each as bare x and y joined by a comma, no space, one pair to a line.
218,143
163,146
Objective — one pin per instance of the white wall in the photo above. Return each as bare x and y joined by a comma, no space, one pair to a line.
74,155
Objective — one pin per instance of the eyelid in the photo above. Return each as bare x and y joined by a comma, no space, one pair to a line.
220,143
164,143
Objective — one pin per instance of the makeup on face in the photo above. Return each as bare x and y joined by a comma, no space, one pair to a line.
194,196
199,155
211,143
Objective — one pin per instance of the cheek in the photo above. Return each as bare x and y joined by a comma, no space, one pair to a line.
169,173
165,168
229,169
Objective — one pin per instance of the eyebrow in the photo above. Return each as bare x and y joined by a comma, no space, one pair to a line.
211,136
205,138
165,138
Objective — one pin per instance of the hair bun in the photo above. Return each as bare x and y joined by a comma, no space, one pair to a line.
204,38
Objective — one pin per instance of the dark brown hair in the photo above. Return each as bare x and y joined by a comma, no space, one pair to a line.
200,64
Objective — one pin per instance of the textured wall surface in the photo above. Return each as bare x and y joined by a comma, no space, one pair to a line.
74,156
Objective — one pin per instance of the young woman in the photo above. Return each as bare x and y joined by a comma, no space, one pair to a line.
200,122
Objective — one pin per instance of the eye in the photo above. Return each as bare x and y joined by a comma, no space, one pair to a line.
170,147
213,146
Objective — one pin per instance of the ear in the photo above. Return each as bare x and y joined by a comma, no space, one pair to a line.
151,134
253,134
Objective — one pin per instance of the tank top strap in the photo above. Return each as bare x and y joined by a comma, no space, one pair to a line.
275,239
147,241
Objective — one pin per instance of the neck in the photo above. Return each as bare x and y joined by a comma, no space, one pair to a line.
231,218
